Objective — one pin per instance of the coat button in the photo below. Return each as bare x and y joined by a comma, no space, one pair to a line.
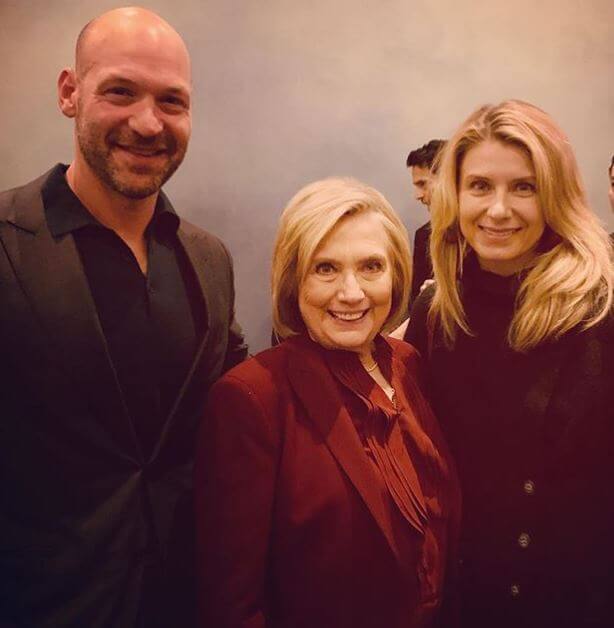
515,590
523,540
529,487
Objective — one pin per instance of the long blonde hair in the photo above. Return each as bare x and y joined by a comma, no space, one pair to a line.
570,281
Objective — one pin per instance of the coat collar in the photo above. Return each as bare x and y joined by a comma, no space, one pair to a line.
317,391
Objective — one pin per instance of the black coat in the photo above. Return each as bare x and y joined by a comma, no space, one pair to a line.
81,509
533,438
422,266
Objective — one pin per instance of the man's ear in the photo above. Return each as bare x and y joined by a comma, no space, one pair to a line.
67,92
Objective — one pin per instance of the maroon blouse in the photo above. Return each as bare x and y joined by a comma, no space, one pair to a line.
410,464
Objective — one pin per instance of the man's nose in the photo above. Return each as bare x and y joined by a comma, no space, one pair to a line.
145,120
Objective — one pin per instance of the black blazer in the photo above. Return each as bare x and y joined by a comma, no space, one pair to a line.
423,268
81,509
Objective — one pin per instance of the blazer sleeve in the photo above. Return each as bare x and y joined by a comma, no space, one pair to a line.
236,350
416,332
421,260
235,476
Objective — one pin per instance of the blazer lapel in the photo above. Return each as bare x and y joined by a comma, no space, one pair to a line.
55,285
317,391
197,255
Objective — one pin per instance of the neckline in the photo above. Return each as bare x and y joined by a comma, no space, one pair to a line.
476,280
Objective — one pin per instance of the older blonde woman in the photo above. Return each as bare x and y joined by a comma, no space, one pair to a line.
325,496
518,335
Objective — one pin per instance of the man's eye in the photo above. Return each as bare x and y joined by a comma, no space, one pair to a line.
324,268
175,102
119,92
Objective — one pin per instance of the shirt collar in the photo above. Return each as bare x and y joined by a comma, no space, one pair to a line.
65,213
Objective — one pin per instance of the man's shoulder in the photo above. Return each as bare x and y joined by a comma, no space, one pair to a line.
416,332
195,231
203,237
422,236
22,197
423,300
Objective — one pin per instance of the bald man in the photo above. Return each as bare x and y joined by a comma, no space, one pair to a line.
116,315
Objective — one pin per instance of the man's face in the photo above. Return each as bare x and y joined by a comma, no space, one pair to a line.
421,178
611,190
133,118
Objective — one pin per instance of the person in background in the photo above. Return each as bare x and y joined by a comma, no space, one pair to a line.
422,164
518,337
324,492
116,316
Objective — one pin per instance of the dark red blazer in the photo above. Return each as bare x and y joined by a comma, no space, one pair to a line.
293,529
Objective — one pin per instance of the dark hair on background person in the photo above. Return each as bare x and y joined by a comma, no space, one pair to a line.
424,157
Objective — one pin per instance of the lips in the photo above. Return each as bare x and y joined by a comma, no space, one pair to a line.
349,317
142,151
499,232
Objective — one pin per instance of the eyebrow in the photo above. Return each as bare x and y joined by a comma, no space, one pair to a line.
473,175
122,80
322,258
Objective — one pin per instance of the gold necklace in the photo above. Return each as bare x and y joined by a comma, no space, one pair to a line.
371,368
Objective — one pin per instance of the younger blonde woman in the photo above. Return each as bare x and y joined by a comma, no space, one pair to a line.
518,335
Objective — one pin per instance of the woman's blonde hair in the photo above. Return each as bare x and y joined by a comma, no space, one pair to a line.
570,281
309,217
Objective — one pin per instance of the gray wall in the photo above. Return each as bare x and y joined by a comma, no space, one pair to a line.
290,91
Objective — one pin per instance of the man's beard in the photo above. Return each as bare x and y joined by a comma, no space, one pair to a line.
131,182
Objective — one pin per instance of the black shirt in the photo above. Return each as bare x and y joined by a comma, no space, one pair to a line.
152,323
